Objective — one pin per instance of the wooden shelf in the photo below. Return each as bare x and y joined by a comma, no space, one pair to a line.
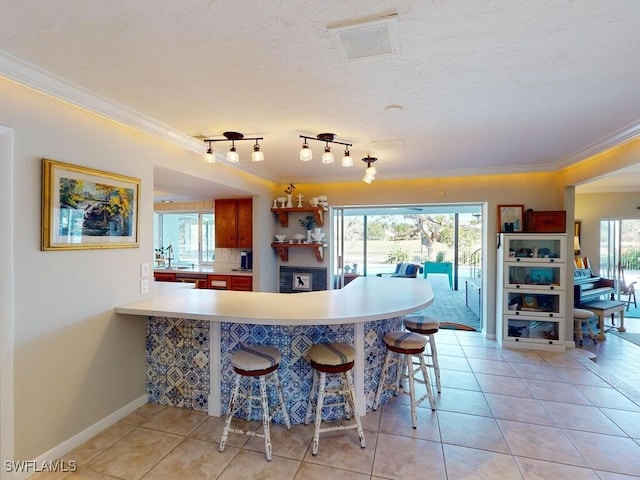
283,214
283,249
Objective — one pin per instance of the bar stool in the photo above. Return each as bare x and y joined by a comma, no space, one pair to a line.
332,358
253,362
428,327
580,317
402,349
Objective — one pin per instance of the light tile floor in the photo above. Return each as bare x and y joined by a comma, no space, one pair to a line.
502,414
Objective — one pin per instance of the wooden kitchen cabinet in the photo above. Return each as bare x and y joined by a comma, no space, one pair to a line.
234,223
164,277
230,282
243,283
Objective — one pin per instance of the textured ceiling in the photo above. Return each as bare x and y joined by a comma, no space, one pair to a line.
477,86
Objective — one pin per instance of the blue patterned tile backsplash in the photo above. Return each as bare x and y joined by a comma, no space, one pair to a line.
178,362
179,370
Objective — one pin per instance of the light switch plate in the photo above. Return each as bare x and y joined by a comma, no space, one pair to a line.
144,285
144,269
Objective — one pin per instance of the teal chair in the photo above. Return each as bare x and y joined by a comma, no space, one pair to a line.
440,267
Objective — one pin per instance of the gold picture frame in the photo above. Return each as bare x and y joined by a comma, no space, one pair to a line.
83,208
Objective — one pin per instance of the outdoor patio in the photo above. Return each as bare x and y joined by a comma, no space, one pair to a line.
450,305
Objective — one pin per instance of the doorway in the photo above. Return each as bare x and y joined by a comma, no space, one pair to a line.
620,256
372,240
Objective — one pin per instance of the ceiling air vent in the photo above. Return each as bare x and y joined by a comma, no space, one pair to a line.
367,39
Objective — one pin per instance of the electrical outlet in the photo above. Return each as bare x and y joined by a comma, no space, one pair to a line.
144,285
144,269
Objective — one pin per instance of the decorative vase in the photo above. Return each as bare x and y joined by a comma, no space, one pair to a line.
309,240
289,201
318,230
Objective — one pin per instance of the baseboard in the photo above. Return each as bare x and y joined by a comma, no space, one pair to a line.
86,434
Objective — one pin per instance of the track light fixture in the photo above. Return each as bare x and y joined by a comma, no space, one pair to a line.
327,157
370,172
232,155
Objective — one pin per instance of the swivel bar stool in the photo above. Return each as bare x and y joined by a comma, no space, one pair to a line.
255,362
402,349
332,358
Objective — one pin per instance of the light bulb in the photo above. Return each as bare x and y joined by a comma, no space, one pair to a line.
232,155
347,161
209,157
257,155
306,154
327,156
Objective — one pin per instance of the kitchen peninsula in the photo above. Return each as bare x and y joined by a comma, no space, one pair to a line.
191,334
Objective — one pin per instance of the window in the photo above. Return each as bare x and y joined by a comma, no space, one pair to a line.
190,235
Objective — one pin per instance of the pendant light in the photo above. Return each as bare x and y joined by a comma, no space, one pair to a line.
257,155
306,154
370,172
347,161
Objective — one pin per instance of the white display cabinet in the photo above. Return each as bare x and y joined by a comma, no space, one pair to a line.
531,291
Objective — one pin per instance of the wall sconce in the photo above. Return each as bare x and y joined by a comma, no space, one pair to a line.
232,154
370,172
327,157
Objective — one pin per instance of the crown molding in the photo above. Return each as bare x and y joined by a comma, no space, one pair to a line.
624,135
31,76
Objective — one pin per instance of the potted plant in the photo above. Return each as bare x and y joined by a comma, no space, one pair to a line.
308,223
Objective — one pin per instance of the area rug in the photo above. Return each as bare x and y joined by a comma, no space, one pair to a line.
632,337
449,306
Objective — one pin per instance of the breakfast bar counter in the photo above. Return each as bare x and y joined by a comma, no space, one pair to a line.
191,334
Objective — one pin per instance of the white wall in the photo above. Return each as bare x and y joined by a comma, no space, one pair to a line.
75,361
593,207
6,295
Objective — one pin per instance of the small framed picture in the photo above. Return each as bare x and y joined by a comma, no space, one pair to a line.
510,218
302,281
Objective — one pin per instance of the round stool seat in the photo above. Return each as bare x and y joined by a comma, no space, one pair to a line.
332,357
255,359
421,324
405,342
582,313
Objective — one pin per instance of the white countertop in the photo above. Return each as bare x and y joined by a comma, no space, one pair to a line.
364,299
209,270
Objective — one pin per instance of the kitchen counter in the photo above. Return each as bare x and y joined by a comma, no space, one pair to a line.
192,333
363,299
208,270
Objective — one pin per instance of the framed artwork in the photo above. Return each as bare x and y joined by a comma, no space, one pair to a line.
510,218
84,208
302,281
